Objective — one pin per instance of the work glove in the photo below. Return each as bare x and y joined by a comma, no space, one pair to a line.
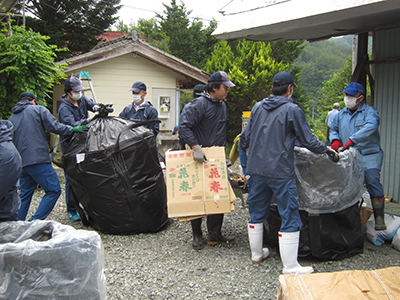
347,146
199,154
332,154
335,145
80,128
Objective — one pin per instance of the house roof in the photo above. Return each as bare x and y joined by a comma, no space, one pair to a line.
276,20
7,5
131,44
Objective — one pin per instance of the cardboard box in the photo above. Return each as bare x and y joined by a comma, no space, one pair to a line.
377,284
365,214
197,189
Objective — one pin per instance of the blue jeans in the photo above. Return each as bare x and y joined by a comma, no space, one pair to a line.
45,176
373,184
69,192
285,191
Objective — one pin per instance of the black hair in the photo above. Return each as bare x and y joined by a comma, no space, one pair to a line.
210,86
67,89
280,90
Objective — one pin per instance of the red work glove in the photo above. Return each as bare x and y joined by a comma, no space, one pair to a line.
335,145
348,145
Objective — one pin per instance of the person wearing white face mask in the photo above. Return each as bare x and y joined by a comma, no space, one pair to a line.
73,111
140,109
357,126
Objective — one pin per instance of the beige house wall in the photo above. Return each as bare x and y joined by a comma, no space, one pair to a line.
112,79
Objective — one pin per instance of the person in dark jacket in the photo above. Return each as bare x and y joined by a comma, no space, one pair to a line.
10,164
140,109
30,123
74,111
270,134
204,125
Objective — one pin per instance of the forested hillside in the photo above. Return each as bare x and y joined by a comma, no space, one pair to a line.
319,62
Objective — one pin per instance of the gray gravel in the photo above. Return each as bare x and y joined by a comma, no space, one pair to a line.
163,265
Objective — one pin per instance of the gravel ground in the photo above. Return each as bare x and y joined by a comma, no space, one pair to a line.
163,265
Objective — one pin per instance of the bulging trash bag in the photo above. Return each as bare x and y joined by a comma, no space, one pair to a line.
48,260
115,172
325,186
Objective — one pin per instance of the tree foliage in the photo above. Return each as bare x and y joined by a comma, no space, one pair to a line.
75,24
251,67
27,63
332,91
188,40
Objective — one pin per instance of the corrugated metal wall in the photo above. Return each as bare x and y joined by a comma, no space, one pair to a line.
387,102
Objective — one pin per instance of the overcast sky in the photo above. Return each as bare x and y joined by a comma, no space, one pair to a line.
146,9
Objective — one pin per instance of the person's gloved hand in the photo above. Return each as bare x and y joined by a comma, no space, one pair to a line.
332,154
96,107
199,154
80,128
347,146
335,145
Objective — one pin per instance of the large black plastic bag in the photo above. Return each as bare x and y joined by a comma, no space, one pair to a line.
329,193
115,173
48,260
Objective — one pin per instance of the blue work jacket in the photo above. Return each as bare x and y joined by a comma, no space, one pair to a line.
362,128
72,115
30,125
10,162
204,122
274,125
145,112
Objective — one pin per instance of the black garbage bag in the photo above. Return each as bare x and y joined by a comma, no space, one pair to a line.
115,172
326,236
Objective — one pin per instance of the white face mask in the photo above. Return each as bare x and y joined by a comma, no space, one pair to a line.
137,98
76,96
350,101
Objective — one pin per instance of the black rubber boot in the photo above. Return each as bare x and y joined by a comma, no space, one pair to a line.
378,204
214,224
197,243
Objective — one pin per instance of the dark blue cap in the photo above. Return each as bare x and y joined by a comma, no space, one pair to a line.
283,78
221,76
74,83
198,89
138,86
27,96
175,129
354,88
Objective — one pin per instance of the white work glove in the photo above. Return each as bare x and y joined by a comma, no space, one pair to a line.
199,154
333,154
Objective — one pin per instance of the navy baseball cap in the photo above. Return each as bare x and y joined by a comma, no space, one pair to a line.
283,78
138,86
353,88
175,129
27,96
74,83
198,89
221,76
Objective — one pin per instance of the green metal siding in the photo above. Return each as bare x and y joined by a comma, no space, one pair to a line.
387,102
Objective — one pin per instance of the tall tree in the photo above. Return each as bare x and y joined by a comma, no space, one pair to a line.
75,24
251,67
188,40
27,63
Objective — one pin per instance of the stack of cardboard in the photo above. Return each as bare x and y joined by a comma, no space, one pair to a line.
376,284
197,189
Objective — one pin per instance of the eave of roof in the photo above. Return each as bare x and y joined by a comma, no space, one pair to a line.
129,44
356,17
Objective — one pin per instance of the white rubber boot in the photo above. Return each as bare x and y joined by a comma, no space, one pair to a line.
289,248
258,253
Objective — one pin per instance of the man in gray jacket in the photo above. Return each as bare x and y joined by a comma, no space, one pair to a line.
270,134
30,124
